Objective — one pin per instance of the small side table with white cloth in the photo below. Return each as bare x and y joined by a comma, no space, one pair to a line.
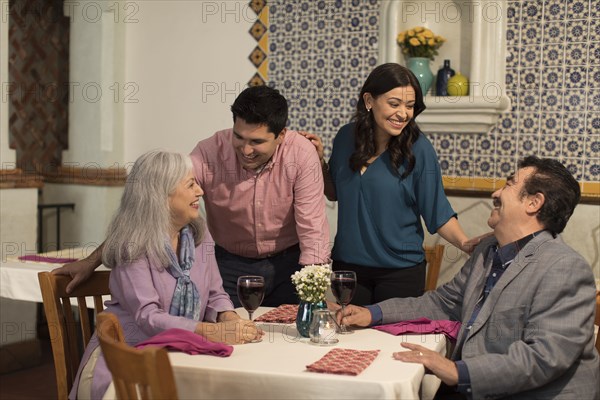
19,293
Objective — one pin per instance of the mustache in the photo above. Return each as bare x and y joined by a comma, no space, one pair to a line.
496,202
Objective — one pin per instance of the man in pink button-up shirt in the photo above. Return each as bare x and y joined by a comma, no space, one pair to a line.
263,193
263,196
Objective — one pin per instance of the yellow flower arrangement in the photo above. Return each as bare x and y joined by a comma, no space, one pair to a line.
420,42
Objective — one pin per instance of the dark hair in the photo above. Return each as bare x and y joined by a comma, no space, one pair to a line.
381,80
261,105
560,189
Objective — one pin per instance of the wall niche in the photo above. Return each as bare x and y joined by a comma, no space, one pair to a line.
475,33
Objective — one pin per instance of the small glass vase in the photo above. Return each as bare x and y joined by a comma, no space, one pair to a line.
305,315
420,67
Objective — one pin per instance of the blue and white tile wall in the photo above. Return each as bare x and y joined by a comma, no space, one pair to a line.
320,54
322,51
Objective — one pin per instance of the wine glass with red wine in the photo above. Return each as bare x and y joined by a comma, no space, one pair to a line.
343,286
251,291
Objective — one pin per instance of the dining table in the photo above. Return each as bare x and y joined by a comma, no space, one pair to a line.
275,368
19,277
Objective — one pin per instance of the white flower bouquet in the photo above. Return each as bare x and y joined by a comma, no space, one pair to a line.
312,282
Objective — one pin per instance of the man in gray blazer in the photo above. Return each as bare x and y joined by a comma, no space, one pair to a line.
526,300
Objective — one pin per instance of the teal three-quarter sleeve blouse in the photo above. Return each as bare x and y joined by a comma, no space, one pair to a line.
379,213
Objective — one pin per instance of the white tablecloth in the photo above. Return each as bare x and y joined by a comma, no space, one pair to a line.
276,369
19,280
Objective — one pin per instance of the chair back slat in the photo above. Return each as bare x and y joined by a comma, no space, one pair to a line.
137,374
84,320
98,304
433,256
144,391
68,337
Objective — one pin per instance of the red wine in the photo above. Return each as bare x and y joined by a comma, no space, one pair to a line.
251,294
343,289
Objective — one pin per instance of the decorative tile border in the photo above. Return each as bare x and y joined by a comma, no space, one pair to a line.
259,31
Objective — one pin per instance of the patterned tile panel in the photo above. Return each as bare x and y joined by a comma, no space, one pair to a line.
321,52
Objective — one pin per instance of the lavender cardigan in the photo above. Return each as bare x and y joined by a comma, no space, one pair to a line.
141,296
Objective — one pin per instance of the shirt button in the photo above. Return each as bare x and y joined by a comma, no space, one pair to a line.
259,224
494,274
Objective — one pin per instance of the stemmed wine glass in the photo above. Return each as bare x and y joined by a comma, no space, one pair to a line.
251,291
343,286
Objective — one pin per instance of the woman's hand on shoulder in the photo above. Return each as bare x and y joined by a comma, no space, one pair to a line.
469,245
316,141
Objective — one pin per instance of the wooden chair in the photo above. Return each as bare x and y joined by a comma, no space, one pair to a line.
137,374
433,256
68,340
597,322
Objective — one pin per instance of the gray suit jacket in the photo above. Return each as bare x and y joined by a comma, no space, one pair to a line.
533,338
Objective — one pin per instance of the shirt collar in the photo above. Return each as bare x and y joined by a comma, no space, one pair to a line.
269,164
508,252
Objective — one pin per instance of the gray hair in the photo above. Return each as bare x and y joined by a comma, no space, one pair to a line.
141,225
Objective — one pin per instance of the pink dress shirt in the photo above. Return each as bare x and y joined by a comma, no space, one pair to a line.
256,214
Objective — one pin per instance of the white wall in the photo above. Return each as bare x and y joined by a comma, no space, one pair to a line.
582,233
95,71
18,230
18,237
189,60
167,71
86,225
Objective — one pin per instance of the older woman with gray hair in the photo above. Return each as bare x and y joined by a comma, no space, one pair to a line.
164,273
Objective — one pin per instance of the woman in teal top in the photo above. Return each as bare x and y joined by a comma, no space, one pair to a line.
385,176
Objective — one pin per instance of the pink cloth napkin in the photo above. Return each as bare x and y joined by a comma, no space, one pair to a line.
284,314
187,342
422,325
344,361
42,259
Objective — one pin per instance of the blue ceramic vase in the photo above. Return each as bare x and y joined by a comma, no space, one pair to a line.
305,315
420,67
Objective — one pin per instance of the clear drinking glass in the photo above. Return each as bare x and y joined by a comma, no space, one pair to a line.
343,286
